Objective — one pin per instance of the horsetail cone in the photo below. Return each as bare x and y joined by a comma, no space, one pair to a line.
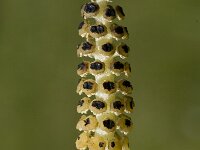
107,100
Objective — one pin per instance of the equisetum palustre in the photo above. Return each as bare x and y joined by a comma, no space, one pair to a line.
107,103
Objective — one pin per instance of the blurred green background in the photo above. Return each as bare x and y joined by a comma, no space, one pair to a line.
38,78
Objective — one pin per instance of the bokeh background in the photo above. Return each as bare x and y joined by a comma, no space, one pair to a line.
38,78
